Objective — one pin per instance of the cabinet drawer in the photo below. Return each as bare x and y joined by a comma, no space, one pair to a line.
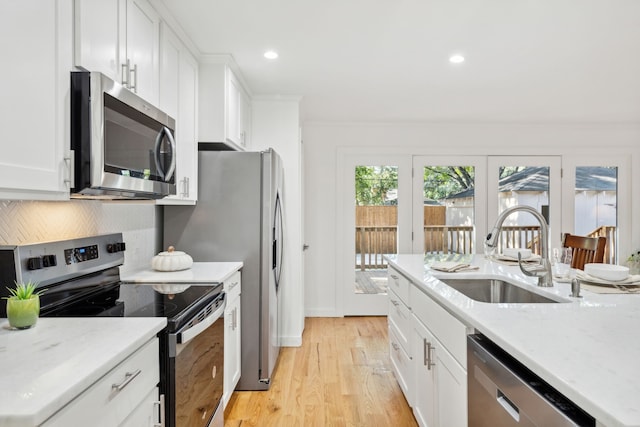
451,332
232,286
401,365
102,404
400,317
399,284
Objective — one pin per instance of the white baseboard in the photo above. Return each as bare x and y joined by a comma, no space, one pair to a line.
321,313
291,341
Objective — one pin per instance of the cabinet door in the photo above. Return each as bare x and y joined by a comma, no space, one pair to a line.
146,413
142,40
232,349
178,90
451,380
424,407
36,37
96,45
245,119
233,110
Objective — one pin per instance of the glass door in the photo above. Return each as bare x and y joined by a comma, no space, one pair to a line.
600,202
374,217
525,180
449,204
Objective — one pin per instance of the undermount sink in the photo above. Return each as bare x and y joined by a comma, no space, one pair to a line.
495,291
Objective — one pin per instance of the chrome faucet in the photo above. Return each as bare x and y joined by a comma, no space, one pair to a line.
543,270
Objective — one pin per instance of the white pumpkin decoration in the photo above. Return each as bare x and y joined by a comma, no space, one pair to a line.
171,260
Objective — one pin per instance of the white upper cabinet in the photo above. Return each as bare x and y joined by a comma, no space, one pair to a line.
37,37
119,38
178,98
225,107
141,49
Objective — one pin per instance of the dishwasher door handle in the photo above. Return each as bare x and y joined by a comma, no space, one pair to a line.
508,405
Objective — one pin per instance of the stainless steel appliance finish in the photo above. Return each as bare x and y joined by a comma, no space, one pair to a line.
238,217
122,146
81,279
503,392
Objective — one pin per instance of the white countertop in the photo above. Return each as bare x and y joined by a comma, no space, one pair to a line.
588,348
47,366
199,273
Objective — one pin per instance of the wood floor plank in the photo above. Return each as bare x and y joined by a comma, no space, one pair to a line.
341,376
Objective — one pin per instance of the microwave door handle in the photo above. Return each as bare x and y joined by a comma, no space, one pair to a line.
172,166
156,153
166,175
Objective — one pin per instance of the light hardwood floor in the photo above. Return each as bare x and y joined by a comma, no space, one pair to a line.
341,376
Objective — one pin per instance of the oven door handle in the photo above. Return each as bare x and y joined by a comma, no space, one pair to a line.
198,328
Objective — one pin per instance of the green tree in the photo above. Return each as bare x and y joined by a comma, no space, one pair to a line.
442,181
373,184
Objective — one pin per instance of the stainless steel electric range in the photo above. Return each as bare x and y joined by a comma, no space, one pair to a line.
81,279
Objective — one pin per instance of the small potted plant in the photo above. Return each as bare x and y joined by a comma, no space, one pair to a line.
23,305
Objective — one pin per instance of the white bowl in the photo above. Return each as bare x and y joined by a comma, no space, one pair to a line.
513,252
607,271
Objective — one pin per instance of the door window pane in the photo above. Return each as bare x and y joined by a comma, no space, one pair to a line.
448,206
376,210
596,202
528,186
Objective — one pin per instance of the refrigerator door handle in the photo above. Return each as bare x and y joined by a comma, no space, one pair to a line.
277,246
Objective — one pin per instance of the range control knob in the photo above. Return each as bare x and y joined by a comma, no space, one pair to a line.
49,261
34,263
112,248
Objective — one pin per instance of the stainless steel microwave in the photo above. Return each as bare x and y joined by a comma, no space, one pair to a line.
122,146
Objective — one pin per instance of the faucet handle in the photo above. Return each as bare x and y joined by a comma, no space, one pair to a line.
542,271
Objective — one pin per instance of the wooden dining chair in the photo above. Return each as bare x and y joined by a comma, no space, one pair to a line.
584,249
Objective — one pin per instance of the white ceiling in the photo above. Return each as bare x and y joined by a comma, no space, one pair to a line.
387,60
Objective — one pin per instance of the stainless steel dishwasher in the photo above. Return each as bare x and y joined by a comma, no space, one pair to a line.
503,392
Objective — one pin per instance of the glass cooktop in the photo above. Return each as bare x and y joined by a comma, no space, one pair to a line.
177,303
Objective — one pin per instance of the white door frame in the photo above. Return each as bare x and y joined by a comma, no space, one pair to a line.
347,302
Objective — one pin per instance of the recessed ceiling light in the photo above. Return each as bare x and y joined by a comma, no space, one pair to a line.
271,54
456,59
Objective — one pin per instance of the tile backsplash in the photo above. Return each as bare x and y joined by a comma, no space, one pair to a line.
24,222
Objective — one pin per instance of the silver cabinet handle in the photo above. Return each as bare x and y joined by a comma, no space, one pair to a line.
395,346
235,318
394,277
233,285
125,73
134,71
160,404
187,185
128,377
394,302
429,361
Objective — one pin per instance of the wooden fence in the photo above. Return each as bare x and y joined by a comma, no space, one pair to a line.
377,235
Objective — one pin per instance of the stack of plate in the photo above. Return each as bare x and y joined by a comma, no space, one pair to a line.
610,272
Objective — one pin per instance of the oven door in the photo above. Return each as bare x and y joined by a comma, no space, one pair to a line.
198,372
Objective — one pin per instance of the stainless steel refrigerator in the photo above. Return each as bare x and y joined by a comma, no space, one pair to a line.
238,217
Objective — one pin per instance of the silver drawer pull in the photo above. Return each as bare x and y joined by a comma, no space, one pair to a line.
233,285
394,277
128,377
394,302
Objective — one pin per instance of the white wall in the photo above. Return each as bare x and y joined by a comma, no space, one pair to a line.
323,141
276,124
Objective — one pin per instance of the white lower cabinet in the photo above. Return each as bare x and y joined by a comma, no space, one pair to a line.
427,347
440,394
126,395
232,336
399,318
